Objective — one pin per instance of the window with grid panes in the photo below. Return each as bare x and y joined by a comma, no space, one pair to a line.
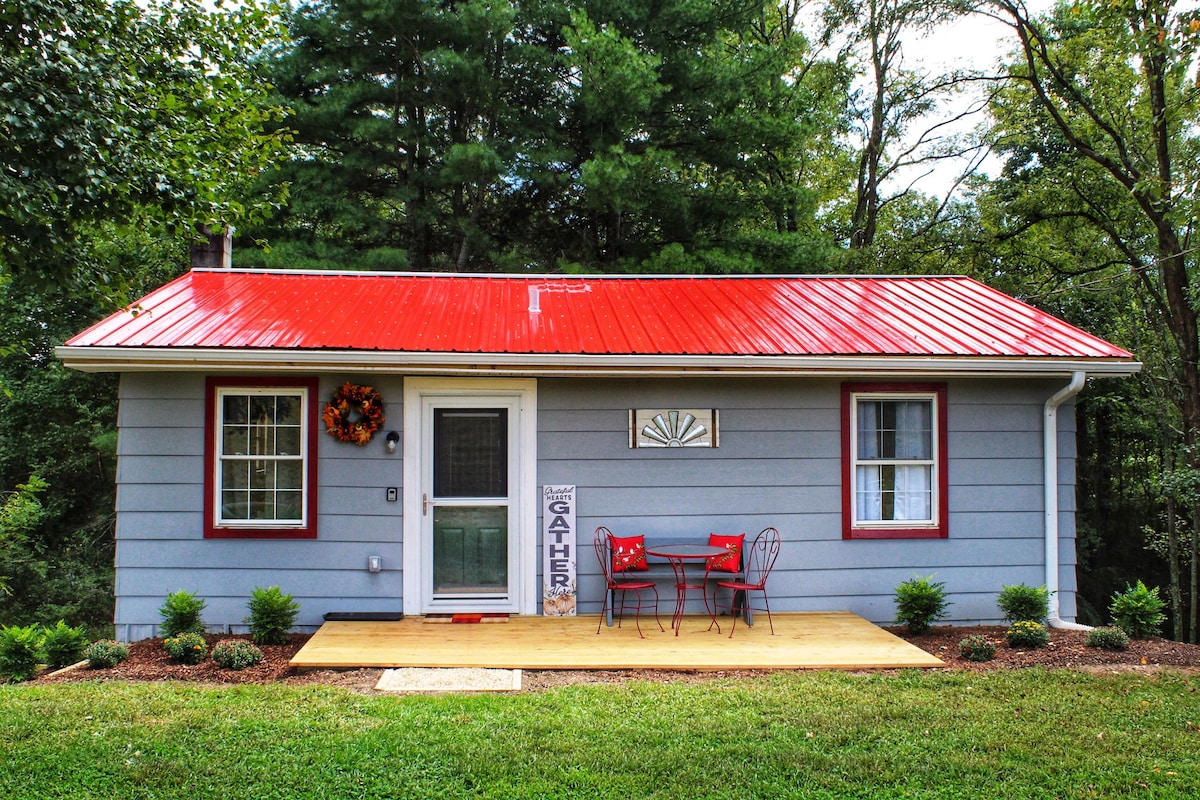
261,457
894,475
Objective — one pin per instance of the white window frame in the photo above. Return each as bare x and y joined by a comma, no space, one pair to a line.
221,458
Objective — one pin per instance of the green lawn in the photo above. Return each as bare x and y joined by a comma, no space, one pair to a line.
1021,734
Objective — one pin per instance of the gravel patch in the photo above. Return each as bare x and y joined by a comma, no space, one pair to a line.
412,679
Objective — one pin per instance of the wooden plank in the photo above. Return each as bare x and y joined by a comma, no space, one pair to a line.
818,640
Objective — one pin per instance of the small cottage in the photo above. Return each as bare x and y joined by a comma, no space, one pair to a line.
427,443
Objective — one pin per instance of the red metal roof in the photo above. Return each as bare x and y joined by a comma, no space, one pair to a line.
682,316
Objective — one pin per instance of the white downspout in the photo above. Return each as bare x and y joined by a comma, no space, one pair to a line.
1050,488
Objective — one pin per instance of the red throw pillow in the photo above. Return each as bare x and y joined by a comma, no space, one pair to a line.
731,561
629,554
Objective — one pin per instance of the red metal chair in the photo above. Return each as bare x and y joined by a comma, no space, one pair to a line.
758,560
612,583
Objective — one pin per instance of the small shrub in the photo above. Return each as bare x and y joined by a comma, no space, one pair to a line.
186,648
976,647
236,654
1107,638
1027,634
919,603
63,644
272,614
1138,611
1020,602
105,654
20,652
181,614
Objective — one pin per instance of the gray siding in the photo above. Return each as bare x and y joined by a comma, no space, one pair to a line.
778,464
160,496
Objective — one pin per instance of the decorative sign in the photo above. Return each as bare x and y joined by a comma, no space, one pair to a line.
685,427
558,544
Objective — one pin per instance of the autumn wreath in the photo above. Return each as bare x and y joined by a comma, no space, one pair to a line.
354,413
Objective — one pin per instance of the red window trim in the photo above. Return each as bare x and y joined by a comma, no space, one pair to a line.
939,531
211,529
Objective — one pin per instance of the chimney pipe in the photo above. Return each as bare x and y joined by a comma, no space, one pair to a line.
212,250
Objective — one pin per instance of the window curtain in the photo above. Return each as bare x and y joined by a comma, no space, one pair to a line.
894,431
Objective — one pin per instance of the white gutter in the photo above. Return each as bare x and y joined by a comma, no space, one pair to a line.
1050,487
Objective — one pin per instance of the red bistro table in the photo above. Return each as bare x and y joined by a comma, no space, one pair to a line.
678,555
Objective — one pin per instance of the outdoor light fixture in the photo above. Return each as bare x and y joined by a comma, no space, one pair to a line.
392,439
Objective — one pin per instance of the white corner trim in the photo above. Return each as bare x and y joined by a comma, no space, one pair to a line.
411,509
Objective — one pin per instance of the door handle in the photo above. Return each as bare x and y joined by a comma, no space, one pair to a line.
424,504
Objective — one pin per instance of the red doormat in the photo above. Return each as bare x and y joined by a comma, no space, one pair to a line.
445,619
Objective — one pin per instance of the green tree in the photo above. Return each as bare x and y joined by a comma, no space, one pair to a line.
125,125
491,135
901,120
413,122
125,113
58,426
1097,121
20,513
694,127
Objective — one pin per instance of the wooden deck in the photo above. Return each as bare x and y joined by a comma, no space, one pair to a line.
835,640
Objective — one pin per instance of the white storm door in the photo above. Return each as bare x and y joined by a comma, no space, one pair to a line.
474,549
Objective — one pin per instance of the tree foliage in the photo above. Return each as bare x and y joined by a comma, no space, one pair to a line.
123,125
899,114
125,113
57,448
1098,122
608,135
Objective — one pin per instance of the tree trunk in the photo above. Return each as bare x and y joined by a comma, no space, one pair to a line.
1173,554
865,221
1195,583
1173,268
1143,168
612,237
416,168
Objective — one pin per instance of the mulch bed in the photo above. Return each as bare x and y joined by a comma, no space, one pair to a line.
1066,650
149,662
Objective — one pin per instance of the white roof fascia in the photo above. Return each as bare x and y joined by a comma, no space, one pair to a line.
175,359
